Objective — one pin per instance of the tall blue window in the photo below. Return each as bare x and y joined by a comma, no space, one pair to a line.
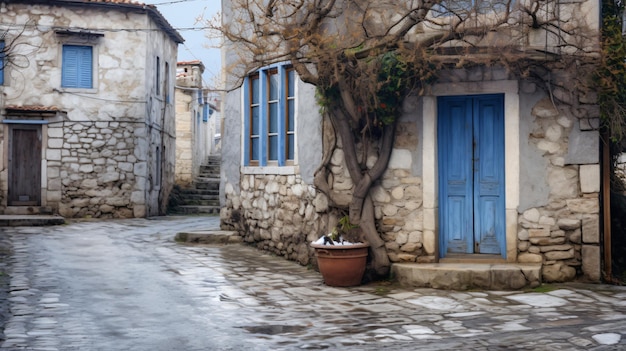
269,118
1,62
77,71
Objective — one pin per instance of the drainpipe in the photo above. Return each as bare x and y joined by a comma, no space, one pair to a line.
606,205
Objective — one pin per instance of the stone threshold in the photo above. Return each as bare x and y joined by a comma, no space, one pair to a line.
209,237
15,220
467,275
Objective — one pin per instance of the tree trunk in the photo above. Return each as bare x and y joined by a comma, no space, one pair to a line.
379,264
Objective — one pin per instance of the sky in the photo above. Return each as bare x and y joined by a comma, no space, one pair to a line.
183,15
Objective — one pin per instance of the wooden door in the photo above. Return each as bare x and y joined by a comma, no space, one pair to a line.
24,165
471,174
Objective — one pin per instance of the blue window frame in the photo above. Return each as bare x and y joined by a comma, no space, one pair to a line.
2,62
77,70
460,7
269,116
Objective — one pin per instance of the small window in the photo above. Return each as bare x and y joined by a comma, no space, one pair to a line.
158,76
166,83
2,55
77,70
270,116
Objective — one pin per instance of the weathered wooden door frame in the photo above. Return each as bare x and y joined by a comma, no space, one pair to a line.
35,177
430,207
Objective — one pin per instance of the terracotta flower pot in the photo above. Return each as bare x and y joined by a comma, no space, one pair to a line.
341,265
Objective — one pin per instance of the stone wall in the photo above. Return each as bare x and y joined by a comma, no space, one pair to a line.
94,170
564,233
276,213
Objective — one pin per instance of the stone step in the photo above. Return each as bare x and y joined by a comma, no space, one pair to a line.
193,209
207,180
200,197
209,173
191,202
194,191
206,185
209,237
465,276
30,220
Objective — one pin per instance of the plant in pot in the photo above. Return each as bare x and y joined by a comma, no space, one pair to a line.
341,257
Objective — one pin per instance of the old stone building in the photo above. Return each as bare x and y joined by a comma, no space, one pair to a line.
87,108
540,163
196,124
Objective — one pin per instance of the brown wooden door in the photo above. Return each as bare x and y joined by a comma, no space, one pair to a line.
25,166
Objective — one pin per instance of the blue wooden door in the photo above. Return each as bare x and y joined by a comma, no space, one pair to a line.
471,174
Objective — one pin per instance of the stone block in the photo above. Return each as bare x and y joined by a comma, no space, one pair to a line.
532,215
563,182
139,211
558,272
591,230
397,193
529,258
583,147
568,223
589,178
400,158
506,279
538,232
54,196
559,255
545,109
583,205
429,242
411,247
543,241
565,247
54,184
53,154
576,236
591,262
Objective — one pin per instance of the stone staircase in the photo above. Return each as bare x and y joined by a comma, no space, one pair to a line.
203,195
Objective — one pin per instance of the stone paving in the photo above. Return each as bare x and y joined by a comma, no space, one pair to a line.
126,285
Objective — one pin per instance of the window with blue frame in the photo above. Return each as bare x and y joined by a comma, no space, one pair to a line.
1,62
269,117
77,69
460,7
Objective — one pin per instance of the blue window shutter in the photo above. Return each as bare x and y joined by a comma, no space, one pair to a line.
85,70
205,113
246,121
282,101
264,112
77,70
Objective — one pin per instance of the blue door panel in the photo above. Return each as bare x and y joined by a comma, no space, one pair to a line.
458,222
489,175
471,174
455,186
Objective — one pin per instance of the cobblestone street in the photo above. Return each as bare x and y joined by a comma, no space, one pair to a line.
127,285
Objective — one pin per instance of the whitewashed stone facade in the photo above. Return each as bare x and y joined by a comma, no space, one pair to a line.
552,218
108,150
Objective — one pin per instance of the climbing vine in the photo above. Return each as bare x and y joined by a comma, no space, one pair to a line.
610,77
